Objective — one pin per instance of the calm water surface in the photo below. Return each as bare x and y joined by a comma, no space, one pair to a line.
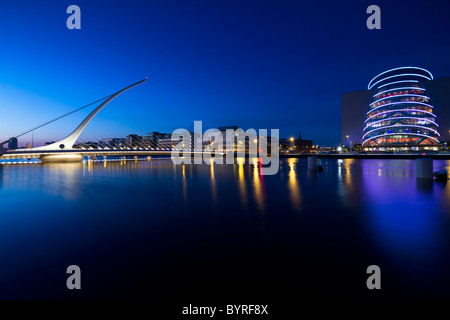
149,229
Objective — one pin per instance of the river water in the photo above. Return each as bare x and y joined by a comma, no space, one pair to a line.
149,229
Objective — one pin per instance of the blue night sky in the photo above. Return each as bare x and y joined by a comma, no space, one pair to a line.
256,64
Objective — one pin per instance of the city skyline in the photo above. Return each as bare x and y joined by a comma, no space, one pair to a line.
254,65
221,158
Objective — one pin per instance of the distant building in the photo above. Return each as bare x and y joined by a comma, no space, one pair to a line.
167,143
303,145
292,145
247,141
12,144
399,111
91,144
286,145
107,143
237,141
151,140
120,142
134,141
112,143
184,143
223,130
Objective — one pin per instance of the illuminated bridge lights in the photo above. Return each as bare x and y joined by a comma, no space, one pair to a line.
400,112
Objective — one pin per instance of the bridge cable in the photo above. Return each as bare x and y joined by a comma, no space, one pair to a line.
58,118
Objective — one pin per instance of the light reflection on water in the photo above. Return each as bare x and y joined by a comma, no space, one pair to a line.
242,183
293,185
405,217
259,190
370,211
213,183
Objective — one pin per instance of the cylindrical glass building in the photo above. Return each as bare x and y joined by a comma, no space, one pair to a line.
400,113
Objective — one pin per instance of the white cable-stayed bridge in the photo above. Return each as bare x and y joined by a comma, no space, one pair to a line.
66,149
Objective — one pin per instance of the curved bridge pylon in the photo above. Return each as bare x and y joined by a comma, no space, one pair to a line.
68,142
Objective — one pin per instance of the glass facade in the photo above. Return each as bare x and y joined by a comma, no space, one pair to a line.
400,113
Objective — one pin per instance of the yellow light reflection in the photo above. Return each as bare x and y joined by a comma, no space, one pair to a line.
212,170
184,185
63,179
293,186
242,187
258,186
347,170
213,182
347,165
